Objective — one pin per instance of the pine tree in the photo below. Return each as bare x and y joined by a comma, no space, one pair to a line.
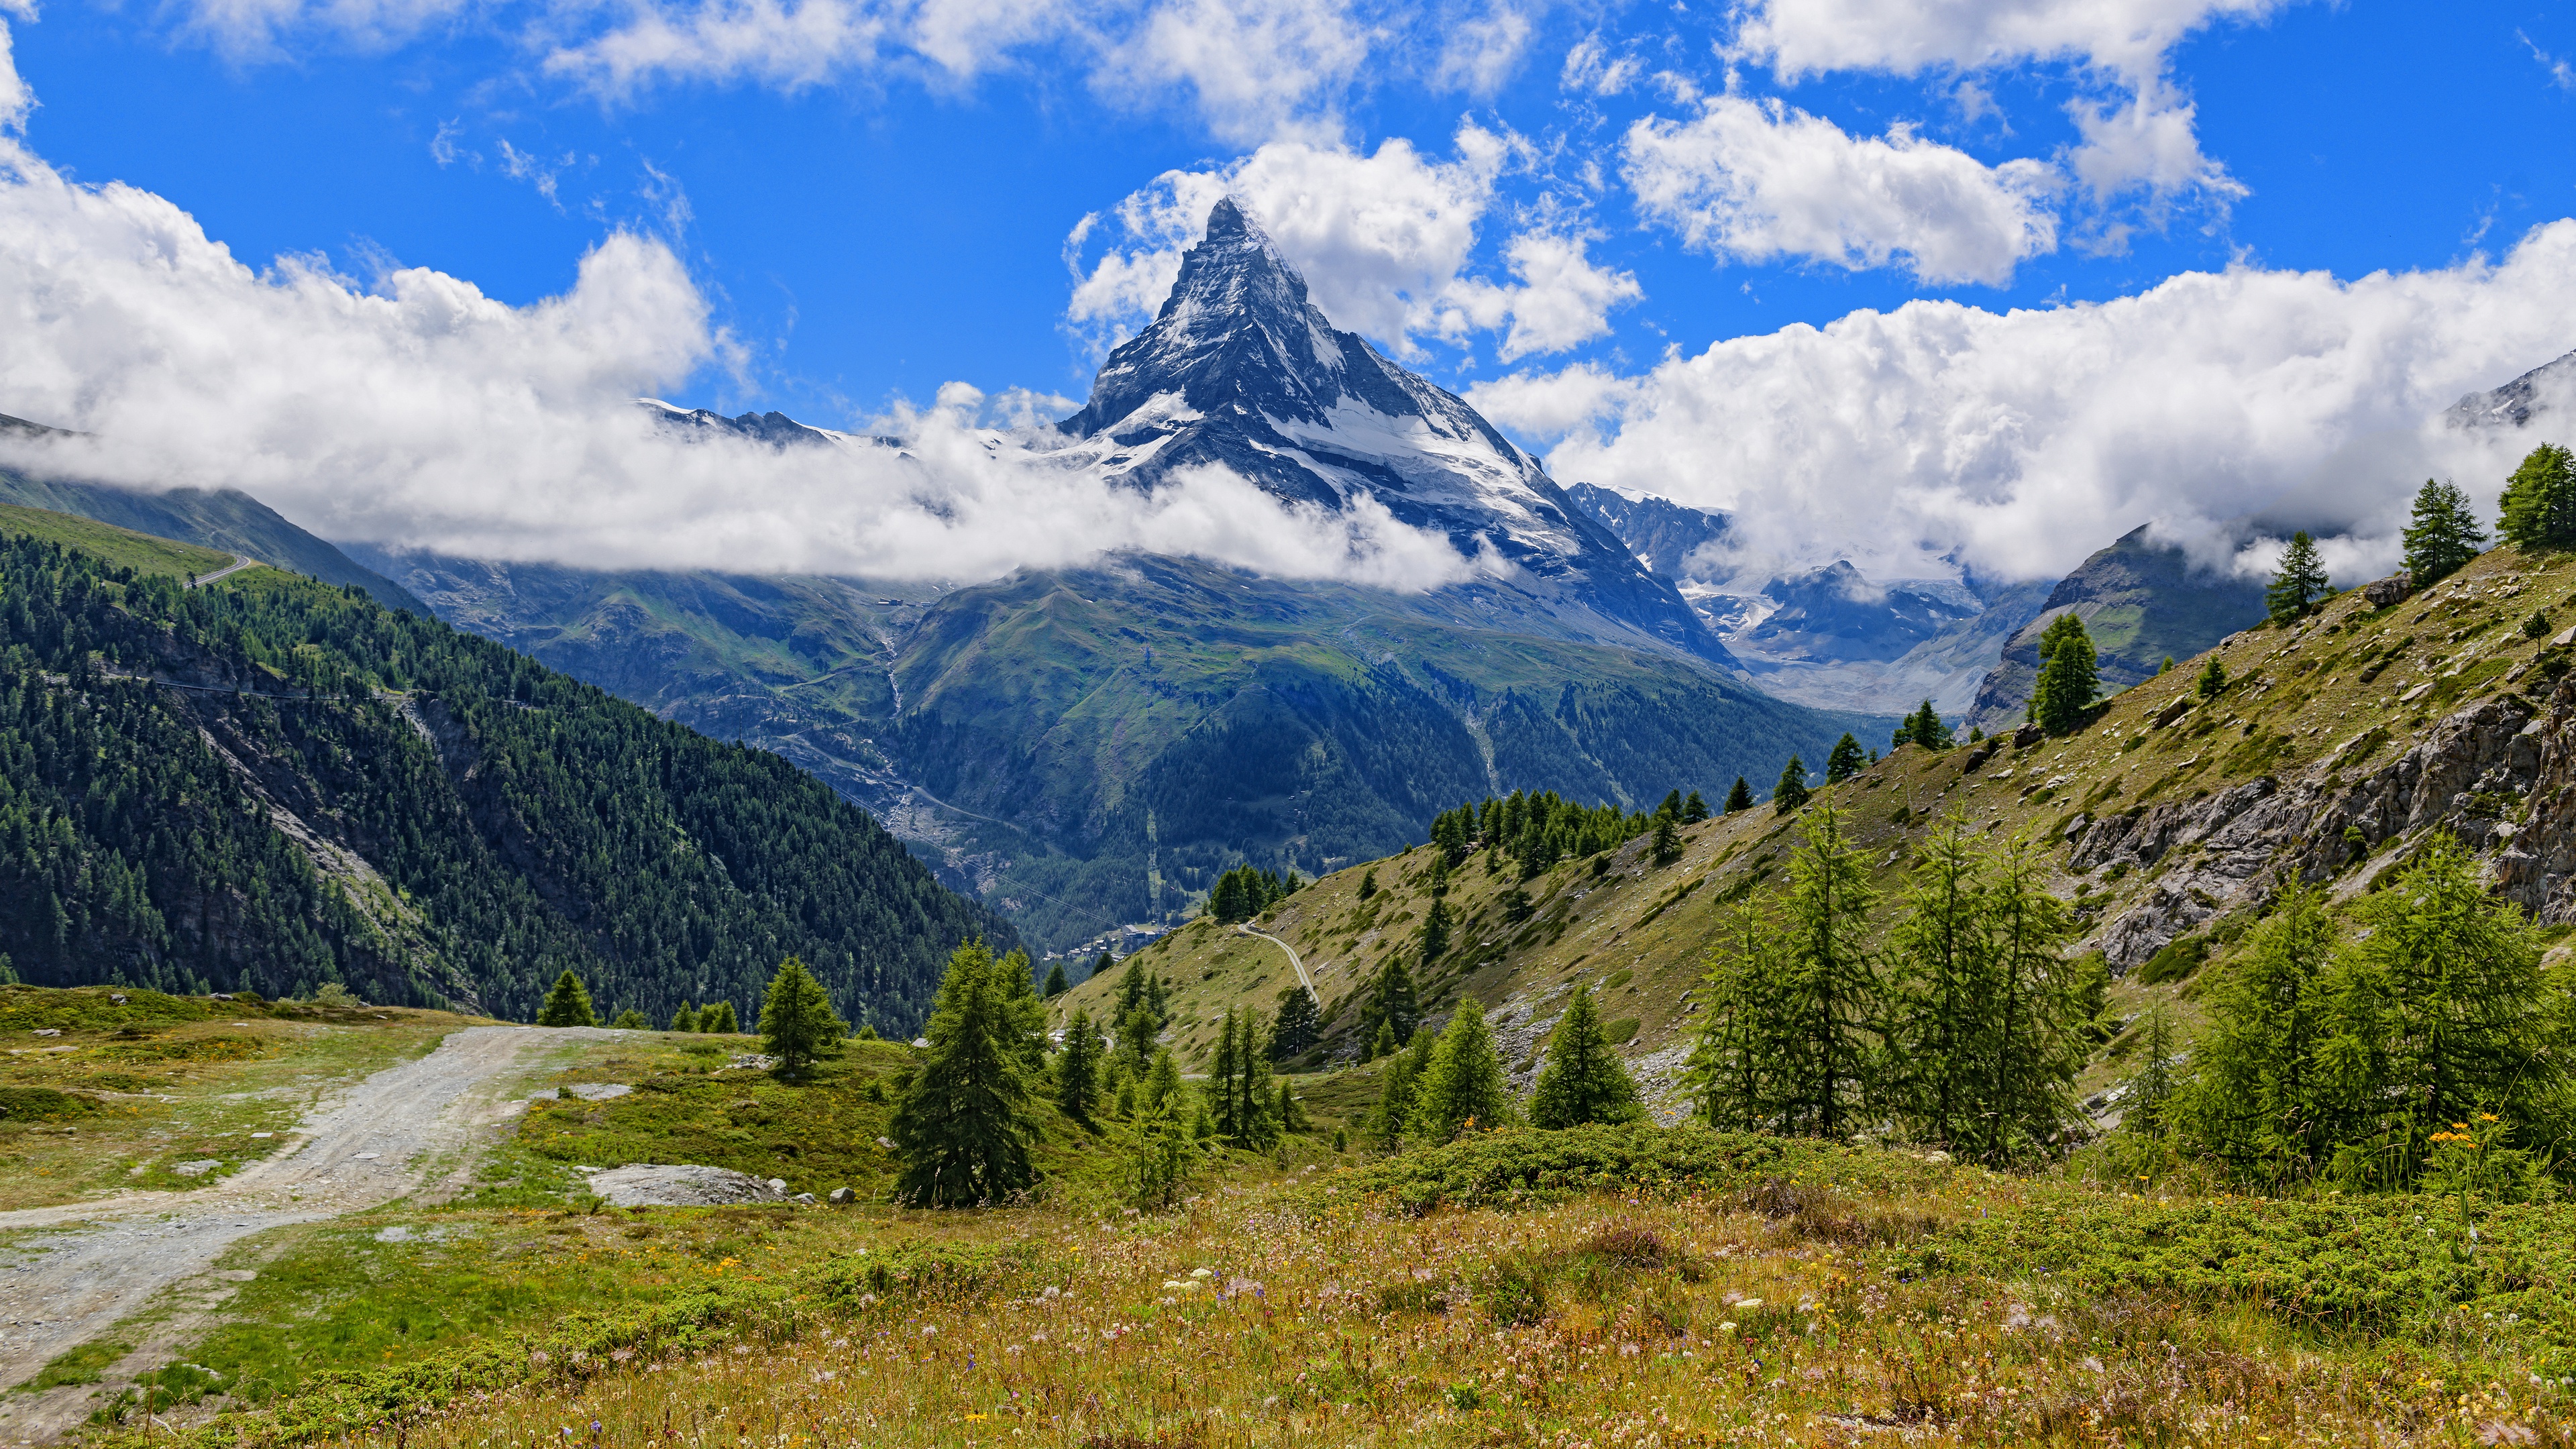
1922,727
1136,1032
2539,501
1435,935
1791,793
2442,1013
1942,982
1368,884
1846,760
1297,1027
1832,980
2213,679
1583,1080
967,1119
796,1019
1463,1086
2255,1098
717,1016
631,1020
1382,1043
2069,676
1737,1075
685,1019
1077,1069
1667,846
2151,1090
1739,798
1671,809
2165,668
1393,1003
1694,809
2298,583
2443,534
1289,1110
1163,1081
1056,984
567,1005
1397,1080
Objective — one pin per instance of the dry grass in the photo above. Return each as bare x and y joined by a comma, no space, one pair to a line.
1258,1317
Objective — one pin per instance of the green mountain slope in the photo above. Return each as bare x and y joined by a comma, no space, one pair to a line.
2141,601
1087,747
2336,748
226,520
270,783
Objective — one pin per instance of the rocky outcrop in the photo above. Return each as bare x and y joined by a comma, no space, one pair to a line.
2537,868
2226,850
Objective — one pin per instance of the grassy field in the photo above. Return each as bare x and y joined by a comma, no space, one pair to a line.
2322,698
123,1093
1724,1291
122,547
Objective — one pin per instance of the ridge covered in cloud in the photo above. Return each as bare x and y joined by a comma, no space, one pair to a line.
1939,435
417,411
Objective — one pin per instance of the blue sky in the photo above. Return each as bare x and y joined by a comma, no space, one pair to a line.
869,199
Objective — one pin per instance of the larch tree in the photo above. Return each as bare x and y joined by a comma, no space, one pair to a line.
2069,676
1583,1080
2298,583
968,1118
1738,1075
1297,1027
2442,533
1463,1086
796,1018
1791,793
1056,984
1942,984
1694,809
1846,760
1077,1069
568,1004
2254,1099
1833,976
2539,502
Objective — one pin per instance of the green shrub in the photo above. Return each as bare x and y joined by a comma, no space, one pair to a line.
1526,1165
937,1271
42,1104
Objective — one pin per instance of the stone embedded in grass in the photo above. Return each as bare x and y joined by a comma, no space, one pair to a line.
598,1091
683,1185
198,1168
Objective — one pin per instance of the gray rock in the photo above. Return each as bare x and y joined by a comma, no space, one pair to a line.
682,1185
2391,590
843,1197
778,1185
198,1168
806,1198
2027,736
598,1091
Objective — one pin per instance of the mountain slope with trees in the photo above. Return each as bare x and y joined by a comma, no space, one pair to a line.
271,784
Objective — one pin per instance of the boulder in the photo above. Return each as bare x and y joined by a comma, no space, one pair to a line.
646,1184
843,1197
2391,590
2027,736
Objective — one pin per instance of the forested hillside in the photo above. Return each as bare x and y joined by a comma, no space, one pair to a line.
305,787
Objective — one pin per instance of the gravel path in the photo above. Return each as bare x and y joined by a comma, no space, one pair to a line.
384,1138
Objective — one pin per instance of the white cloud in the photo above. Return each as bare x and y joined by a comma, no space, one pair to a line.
1479,53
1384,241
1758,181
1252,69
421,412
1591,68
2561,74
1906,37
2142,141
2021,441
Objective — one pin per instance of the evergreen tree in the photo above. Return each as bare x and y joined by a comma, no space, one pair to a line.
1694,809
1845,761
1583,1080
685,1019
2213,679
1943,982
2165,668
967,1119
1158,1167
717,1016
1056,984
1393,1003
567,1005
1667,846
1833,983
1671,809
1397,1081
2034,1048
2069,675
2256,1099
2298,584
1136,1032
1738,1073
1791,793
1382,1043
1739,798
631,1020
1368,884
1163,1081
796,1018
1289,1110
1463,1086
2151,1091
2540,500
1239,1082
1297,1027
2443,534
2442,1013
1077,1069
1435,934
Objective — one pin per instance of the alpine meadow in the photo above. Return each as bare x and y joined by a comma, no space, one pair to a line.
1189,725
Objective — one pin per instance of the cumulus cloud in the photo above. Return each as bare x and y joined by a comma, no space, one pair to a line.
1385,241
416,411
2213,404
1757,181
2142,140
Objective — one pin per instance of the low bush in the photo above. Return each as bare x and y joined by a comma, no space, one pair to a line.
1527,1165
42,1104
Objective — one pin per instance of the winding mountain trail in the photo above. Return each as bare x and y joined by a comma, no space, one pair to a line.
1245,929
240,561
411,1126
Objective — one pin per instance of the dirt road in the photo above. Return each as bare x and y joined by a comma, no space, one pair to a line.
388,1136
